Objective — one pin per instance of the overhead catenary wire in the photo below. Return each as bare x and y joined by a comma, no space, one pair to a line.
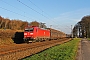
14,12
41,10
18,9
25,5
32,9
35,10
38,7
24,11
11,5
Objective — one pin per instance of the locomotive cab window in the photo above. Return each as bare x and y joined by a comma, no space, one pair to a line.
29,29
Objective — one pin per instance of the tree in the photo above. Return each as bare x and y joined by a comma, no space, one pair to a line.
1,21
35,23
83,27
6,23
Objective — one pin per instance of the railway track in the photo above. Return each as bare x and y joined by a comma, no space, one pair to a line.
19,51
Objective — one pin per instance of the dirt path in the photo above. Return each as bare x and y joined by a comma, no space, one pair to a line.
84,50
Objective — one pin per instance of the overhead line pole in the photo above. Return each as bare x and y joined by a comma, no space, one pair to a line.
71,32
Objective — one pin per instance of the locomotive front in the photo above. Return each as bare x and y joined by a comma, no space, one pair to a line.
28,34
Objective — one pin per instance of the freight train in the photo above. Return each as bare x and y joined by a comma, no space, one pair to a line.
33,34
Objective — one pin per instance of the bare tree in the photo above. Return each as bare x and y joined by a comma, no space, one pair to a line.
83,27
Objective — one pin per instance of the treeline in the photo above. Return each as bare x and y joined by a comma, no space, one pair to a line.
6,23
82,28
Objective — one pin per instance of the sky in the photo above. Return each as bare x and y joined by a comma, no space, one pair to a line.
59,14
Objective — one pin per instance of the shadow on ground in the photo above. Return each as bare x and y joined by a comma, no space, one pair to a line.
18,37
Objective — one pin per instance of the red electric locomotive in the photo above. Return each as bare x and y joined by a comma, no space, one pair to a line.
34,33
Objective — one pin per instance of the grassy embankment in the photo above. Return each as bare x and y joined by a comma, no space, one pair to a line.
6,36
66,51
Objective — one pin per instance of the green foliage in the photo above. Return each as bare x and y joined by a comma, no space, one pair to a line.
82,27
66,51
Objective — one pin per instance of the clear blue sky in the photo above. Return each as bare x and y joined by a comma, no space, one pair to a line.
61,14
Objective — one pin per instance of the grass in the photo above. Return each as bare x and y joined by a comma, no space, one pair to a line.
4,41
66,51
88,39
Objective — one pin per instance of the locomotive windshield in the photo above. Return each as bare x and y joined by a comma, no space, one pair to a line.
29,29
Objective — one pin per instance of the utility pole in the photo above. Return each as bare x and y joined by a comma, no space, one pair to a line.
42,25
71,32
50,31
50,26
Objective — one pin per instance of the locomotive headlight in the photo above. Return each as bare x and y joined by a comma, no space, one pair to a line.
31,33
25,33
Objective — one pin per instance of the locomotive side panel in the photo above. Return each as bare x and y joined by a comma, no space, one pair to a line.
43,33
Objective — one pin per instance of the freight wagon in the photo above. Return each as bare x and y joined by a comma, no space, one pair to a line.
55,34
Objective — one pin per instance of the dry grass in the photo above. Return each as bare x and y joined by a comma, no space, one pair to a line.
7,35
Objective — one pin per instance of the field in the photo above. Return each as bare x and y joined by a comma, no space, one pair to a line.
66,51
